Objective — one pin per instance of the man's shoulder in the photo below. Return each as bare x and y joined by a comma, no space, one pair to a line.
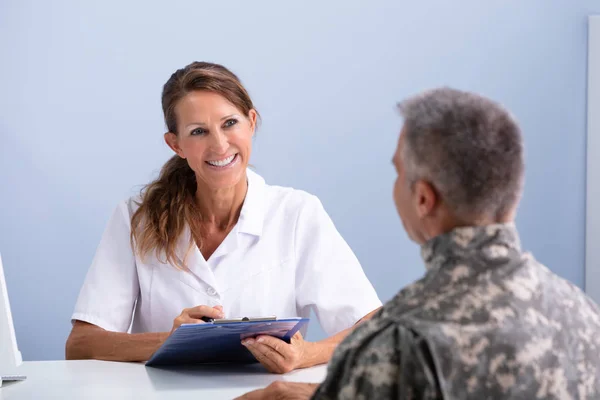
564,301
381,358
380,340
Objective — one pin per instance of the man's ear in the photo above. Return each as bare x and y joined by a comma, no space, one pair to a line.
171,141
426,198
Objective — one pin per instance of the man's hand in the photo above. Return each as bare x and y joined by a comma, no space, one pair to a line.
283,391
276,355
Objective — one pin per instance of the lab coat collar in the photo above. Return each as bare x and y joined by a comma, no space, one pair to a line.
252,215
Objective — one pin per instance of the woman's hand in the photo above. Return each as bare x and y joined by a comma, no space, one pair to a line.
276,355
193,315
279,357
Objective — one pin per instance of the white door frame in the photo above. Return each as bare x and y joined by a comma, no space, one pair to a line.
592,225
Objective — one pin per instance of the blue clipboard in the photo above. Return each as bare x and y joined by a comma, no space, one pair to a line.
220,342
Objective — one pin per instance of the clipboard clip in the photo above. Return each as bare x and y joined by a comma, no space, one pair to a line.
243,319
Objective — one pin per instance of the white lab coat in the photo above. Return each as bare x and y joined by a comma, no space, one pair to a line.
284,257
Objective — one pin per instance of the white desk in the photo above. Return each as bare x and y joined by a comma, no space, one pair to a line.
112,380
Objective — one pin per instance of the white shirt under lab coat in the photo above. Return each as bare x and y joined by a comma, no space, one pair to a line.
284,257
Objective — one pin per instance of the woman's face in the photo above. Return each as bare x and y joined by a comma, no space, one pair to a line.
214,137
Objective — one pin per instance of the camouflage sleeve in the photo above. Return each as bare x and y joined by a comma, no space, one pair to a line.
393,363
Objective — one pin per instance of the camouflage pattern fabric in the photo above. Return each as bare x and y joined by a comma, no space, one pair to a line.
485,322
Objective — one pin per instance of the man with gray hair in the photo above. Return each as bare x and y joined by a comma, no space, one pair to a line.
486,321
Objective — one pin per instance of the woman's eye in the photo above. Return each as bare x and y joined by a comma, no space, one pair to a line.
198,131
230,123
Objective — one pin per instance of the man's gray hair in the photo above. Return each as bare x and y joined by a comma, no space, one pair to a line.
468,147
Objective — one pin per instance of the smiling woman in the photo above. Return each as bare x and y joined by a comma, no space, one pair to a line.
211,238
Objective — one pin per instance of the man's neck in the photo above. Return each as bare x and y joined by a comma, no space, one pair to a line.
487,240
447,222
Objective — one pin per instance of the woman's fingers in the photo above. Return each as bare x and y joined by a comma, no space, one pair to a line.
194,315
204,311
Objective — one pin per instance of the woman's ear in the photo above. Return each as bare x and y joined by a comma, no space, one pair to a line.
172,142
252,116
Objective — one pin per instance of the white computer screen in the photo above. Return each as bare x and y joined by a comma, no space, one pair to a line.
10,357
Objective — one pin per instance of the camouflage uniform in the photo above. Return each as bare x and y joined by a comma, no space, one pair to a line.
485,322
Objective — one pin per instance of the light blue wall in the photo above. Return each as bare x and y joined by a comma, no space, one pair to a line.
81,125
